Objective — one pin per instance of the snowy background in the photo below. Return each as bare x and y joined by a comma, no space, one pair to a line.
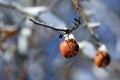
33,52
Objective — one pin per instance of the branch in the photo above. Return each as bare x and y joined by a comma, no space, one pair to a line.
46,25
67,31
81,13
29,11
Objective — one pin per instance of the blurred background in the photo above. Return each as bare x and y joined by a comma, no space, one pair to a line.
31,52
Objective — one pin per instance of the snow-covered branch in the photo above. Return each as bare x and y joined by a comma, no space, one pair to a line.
29,11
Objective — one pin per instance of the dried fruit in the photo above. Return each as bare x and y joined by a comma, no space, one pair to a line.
69,48
102,59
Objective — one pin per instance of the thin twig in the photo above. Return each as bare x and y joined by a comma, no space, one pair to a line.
76,24
79,10
67,31
46,25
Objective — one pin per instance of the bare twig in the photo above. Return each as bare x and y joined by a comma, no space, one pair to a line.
67,31
46,25
80,12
